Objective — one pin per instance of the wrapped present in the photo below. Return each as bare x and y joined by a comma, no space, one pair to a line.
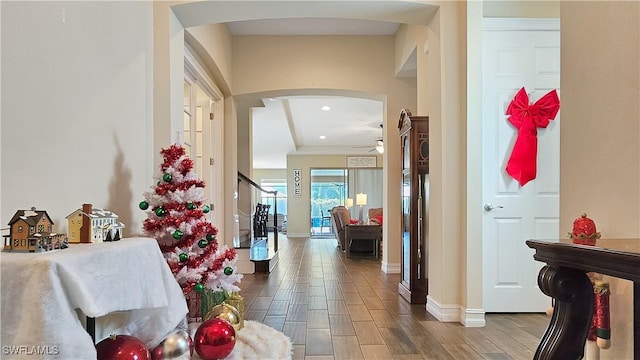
199,304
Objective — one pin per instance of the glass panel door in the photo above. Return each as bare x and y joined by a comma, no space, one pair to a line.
328,189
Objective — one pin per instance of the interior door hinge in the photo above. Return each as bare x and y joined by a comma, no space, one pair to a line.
211,161
210,116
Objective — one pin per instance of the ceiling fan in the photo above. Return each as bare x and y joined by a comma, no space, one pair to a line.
379,146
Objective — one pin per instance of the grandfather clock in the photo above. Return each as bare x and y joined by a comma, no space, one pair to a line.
414,138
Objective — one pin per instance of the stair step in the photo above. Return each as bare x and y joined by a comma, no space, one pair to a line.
263,256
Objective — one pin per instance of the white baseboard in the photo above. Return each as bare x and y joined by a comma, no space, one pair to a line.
304,235
456,313
472,317
444,313
390,268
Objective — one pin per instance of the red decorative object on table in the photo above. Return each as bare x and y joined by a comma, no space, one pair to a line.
584,231
214,339
122,347
527,118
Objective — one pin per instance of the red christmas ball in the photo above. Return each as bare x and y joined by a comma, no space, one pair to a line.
122,347
214,339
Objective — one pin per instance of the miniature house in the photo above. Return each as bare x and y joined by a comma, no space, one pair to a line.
30,230
89,225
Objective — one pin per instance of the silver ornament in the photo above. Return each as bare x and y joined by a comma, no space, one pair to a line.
173,347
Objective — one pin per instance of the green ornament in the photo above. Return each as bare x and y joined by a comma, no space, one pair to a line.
210,237
183,257
228,271
143,205
158,183
178,234
206,209
202,243
198,288
167,177
191,206
160,211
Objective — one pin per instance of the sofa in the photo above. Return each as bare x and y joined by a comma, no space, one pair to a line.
375,217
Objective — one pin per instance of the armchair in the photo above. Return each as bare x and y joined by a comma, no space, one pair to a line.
340,218
375,216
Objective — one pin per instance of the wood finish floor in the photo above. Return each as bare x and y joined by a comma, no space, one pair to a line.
337,308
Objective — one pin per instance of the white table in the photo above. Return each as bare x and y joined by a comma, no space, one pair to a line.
40,293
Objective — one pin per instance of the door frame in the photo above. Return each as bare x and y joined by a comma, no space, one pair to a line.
212,138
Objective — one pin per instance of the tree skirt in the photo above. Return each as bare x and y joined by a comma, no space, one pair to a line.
258,341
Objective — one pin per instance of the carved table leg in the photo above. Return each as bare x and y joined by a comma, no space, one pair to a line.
567,332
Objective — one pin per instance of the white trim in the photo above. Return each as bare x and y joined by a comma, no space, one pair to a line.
523,24
390,268
472,317
444,313
304,235
194,69
243,264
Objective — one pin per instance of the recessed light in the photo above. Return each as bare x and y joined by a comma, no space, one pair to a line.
272,99
325,108
322,137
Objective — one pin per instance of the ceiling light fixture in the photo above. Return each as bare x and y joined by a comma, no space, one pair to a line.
325,108
380,146
322,137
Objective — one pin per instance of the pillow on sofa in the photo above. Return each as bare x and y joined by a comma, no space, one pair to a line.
353,221
378,219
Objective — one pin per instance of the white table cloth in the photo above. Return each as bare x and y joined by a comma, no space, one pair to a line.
41,292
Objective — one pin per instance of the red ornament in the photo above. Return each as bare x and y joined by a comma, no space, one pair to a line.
527,118
584,231
214,339
122,347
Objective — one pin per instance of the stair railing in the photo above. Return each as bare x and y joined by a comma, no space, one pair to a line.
252,199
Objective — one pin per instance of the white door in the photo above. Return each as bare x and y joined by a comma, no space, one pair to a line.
513,214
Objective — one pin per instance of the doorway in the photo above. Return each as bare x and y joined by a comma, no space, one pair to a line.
329,188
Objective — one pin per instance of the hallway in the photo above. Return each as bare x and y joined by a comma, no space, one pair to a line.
337,308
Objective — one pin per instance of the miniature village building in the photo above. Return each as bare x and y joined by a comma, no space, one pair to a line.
30,231
89,225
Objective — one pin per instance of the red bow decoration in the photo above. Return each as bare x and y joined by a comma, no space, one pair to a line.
527,118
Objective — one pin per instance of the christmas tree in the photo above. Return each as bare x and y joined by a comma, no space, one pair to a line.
176,218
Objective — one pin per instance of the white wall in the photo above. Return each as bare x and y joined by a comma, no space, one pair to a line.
76,108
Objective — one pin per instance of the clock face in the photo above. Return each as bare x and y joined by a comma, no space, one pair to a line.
424,149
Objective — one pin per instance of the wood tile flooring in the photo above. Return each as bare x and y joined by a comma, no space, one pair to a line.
337,308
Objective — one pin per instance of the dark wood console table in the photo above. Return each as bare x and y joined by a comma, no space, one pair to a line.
564,279
363,233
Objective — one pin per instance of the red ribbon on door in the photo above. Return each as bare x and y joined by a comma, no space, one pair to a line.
527,118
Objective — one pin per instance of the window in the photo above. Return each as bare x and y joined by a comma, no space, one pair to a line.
280,186
40,228
20,229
